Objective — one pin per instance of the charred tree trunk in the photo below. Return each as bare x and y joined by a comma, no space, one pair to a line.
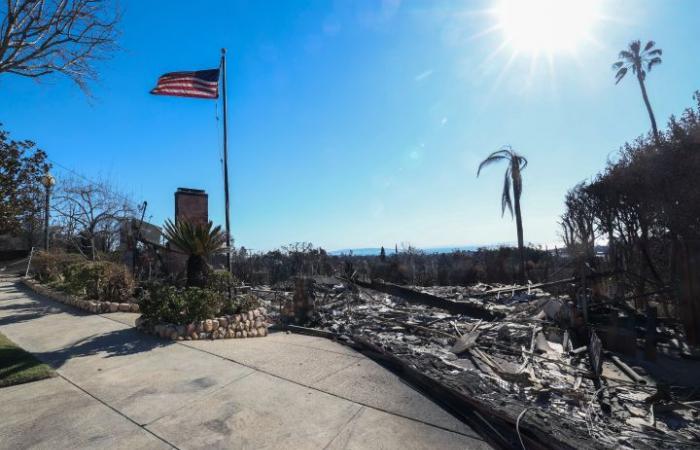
644,247
688,264
521,244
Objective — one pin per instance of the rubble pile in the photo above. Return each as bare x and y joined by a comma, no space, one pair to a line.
532,363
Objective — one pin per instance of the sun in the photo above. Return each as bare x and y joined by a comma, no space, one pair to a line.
546,26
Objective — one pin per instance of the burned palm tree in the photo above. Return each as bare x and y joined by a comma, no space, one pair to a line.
516,164
198,242
639,61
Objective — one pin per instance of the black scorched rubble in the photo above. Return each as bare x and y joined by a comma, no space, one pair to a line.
522,361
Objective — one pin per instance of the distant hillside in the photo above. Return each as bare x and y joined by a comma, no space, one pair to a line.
374,251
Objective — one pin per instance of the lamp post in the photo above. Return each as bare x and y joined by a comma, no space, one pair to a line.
48,181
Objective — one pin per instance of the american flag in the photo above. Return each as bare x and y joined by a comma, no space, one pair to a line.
200,84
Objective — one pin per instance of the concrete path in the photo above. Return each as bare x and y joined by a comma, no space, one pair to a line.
118,388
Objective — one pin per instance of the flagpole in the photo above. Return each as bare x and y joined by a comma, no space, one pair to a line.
226,197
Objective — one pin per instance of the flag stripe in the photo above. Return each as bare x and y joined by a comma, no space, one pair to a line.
184,88
187,82
181,93
185,77
184,92
199,84
187,86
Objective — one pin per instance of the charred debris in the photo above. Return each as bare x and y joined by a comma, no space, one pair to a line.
552,365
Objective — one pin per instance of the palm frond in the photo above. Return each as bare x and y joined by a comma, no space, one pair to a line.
635,46
655,52
617,65
522,162
492,158
504,152
199,240
620,74
653,62
626,54
505,196
649,45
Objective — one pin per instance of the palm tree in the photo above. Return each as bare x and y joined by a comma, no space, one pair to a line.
198,242
516,164
640,62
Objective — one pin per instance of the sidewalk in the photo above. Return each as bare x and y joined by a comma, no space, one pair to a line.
118,388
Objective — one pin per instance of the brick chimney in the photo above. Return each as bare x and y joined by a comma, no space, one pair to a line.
191,205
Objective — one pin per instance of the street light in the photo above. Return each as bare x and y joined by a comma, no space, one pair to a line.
48,181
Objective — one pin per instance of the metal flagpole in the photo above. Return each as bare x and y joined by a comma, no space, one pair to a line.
228,220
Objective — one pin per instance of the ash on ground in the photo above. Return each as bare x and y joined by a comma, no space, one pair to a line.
605,377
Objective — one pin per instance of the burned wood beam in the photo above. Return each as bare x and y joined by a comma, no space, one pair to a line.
524,287
413,296
578,351
543,285
634,376
310,331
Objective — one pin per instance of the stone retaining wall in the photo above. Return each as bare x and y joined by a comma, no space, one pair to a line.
92,306
254,323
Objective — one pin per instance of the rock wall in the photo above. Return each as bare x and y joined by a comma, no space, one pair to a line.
92,306
254,323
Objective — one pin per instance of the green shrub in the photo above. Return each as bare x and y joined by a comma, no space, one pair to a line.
152,301
240,303
48,267
100,280
200,304
75,278
221,281
111,282
163,303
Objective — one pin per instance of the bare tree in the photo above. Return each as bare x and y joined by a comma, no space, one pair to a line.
89,215
578,224
41,37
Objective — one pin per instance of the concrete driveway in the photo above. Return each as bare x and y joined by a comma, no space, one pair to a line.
118,388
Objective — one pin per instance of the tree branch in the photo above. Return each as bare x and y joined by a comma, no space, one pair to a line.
40,37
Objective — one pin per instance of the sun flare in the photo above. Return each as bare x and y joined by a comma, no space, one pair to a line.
547,26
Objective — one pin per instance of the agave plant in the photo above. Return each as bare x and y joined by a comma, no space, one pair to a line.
198,242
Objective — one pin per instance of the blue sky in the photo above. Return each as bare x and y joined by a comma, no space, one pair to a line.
357,124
